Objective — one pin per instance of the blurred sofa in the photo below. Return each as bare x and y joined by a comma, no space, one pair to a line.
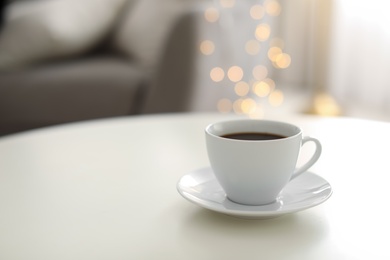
68,60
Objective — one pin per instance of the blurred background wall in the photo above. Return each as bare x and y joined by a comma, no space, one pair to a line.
340,48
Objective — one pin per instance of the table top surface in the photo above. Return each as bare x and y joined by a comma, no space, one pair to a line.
106,189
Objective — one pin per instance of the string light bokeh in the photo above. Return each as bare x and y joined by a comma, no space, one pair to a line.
252,86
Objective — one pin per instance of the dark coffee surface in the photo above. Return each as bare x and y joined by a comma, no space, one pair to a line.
253,136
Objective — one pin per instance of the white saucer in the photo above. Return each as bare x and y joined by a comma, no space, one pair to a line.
306,191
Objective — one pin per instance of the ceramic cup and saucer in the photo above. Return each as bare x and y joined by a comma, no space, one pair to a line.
253,171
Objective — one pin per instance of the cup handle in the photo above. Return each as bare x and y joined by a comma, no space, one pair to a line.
312,160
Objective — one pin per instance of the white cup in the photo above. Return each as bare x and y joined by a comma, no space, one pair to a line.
254,172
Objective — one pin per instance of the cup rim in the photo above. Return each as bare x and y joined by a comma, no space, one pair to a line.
208,130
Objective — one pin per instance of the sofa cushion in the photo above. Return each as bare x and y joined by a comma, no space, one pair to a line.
75,90
45,29
144,29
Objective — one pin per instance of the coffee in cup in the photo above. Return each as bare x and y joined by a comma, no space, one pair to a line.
253,160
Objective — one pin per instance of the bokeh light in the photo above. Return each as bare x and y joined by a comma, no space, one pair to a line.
207,47
250,91
262,32
241,88
274,52
276,98
235,73
252,47
227,3
257,12
224,105
326,105
260,72
248,106
211,14
272,7
217,74
271,83
282,61
261,88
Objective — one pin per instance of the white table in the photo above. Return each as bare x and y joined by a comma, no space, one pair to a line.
107,190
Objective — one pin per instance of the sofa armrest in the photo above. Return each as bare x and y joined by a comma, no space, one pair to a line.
173,81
